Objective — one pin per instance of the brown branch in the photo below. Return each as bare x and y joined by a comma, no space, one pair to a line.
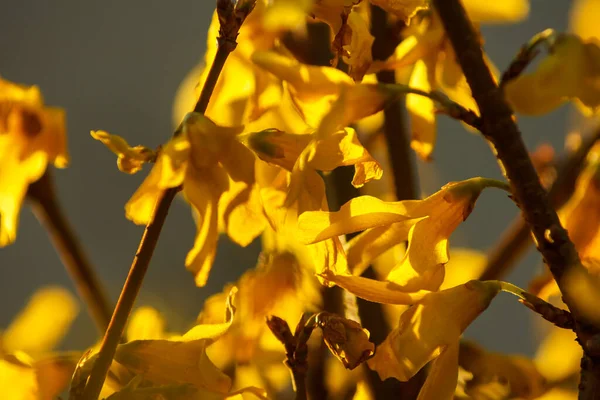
296,348
65,241
500,129
559,317
231,17
516,239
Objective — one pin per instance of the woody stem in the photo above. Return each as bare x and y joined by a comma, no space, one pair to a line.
47,209
500,129
144,253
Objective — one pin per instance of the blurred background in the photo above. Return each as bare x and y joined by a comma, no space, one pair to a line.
116,66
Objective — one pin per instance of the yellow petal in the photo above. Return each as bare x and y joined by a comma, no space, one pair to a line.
441,380
180,361
145,323
584,14
168,172
463,265
42,324
287,14
497,12
203,188
356,43
375,291
429,327
370,244
309,82
570,71
517,372
346,339
130,159
421,111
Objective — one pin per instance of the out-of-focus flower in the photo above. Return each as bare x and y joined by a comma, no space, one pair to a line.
243,92
176,367
436,68
28,367
518,374
426,224
570,72
430,330
31,136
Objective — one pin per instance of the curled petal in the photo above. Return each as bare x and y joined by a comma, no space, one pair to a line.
168,172
130,159
430,327
203,191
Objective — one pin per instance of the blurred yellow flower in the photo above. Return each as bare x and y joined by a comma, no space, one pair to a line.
430,330
28,367
243,92
129,159
570,72
31,136
428,49
517,373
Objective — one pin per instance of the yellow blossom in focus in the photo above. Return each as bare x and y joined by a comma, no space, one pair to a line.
129,159
29,369
426,224
430,330
570,72
31,136
217,174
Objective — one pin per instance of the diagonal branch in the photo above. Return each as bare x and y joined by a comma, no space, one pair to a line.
231,16
47,209
500,129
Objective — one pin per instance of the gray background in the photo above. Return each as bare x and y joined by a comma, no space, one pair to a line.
115,65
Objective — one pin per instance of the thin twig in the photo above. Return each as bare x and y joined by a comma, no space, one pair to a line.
231,20
296,348
526,55
47,209
500,129
516,239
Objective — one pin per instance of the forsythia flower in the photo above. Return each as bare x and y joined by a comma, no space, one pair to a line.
243,92
570,72
28,368
426,224
436,67
31,136
217,174
175,367
430,330
517,374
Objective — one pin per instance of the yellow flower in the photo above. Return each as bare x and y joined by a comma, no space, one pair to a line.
584,15
178,366
426,224
435,67
570,72
243,92
31,136
517,373
129,159
430,330
28,368
217,174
